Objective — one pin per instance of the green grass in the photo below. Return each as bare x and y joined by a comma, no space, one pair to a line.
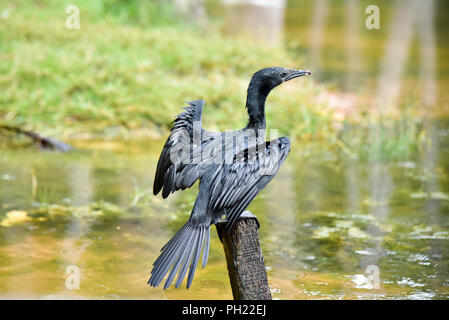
383,140
130,68
112,73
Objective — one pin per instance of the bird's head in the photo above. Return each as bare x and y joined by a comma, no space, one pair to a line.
268,78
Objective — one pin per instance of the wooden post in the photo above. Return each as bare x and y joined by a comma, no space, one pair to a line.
244,258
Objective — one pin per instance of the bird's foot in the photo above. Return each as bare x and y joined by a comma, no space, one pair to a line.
221,226
248,215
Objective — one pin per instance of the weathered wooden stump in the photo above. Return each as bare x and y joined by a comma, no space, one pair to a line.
244,258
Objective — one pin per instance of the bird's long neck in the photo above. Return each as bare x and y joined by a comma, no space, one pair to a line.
255,105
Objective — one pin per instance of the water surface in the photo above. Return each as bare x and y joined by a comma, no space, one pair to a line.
324,219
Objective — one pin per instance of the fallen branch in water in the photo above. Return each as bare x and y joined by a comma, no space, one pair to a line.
42,142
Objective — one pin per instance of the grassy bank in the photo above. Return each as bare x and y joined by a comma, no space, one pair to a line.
111,76
131,66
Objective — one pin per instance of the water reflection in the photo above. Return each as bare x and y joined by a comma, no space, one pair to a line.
393,65
316,35
397,61
261,20
381,185
81,184
352,37
429,161
408,18
324,220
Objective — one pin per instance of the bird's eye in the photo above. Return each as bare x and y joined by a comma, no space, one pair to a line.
283,74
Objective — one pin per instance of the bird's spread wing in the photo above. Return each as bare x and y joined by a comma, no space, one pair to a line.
236,184
184,137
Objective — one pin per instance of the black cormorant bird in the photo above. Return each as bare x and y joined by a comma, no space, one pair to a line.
232,168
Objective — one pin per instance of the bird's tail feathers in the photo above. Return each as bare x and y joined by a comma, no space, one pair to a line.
180,253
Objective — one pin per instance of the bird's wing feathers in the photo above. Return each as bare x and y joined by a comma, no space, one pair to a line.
237,184
172,173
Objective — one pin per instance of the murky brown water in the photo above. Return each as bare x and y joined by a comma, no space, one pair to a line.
325,219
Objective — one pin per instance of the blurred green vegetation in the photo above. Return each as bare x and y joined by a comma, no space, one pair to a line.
132,65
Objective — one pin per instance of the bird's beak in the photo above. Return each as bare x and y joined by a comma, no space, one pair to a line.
297,73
